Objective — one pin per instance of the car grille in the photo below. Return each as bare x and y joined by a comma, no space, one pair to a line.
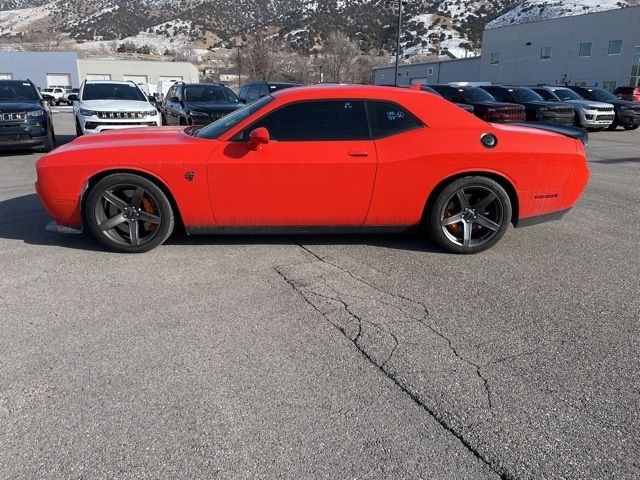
7,117
94,125
603,109
636,109
563,110
604,117
120,115
511,111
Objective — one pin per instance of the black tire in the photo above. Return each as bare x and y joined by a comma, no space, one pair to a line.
50,143
163,120
630,127
78,129
129,213
483,218
183,121
576,120
614,124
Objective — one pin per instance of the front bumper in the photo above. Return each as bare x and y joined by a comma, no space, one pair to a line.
595,118
26,134
97,125
629,119
562,119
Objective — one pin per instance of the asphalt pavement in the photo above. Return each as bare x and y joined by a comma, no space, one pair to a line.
360,357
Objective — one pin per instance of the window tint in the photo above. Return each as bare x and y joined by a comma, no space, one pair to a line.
112,91
224,124
15,91
449,93
312,121
525,95
254,91
388,119
243,93
546,94
500,94
264,90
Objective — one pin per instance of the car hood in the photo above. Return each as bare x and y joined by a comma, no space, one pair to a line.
209,107
116,105
585,103
13,107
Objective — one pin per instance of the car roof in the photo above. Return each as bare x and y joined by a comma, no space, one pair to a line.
117,82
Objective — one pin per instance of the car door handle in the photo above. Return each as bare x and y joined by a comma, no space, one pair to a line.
358,153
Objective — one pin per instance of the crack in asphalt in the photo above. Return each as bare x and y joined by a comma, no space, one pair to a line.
384,366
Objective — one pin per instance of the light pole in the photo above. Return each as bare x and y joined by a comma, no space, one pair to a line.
239,66
395,82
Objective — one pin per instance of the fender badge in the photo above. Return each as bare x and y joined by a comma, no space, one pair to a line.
190,176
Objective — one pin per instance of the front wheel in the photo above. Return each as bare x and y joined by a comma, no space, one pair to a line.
469,215
630,127
129,213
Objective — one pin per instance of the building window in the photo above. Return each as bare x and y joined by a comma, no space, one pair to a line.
407,73
430,71
615,47
545,53
495,58
585,49
98,76
609,85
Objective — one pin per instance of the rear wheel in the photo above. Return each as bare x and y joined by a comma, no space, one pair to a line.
129,213
630,127
469,215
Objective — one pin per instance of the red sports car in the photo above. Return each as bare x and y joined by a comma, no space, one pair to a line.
317,159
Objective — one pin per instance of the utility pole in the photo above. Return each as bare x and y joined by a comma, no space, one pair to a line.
239,67
395,82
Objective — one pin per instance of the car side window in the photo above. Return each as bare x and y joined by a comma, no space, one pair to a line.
315,121
451,94
243,93
544,94
254,92
500,94
264,90
388,119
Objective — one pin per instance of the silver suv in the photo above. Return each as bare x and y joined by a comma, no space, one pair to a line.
589,115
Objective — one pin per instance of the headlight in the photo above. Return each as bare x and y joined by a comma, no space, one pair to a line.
195,113
591,107
543,109
491,109
87,113
622,107
35,113
152,113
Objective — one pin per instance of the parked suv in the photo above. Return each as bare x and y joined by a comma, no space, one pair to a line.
252,91
536,108
25,118
108,105
484,105
70,96
627,114
587,113
197,103
628,93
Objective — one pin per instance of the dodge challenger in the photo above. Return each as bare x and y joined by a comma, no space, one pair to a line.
339,158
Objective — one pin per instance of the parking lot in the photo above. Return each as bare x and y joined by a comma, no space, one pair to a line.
324,356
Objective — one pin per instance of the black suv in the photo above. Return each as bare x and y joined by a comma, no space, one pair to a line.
536,107
484,105
25,118
252,91
197,103
627,113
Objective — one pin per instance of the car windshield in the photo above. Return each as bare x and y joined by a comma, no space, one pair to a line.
227,122
476,95
112,91
429,89
12,91
601,95
209,93
526,95
566,94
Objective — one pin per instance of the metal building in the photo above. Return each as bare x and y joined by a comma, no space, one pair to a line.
601,49
45,69
48,69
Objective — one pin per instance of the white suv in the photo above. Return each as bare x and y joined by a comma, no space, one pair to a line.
107,105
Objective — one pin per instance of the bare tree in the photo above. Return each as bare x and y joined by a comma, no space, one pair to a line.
362,69
297,69
339,55
265,55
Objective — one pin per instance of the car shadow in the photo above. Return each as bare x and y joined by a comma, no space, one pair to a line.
617,160
23,218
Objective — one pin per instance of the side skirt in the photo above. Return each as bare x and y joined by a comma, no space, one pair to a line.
535,220
300,230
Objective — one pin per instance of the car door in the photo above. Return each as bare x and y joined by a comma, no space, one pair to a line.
317,170
172,109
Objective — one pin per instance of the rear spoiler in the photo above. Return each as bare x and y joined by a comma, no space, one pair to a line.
566,130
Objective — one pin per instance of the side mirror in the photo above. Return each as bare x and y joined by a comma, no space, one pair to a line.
243,100
257,138
73,98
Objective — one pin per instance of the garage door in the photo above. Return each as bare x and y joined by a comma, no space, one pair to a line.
171,79
137,79
98,76
58,79
6,76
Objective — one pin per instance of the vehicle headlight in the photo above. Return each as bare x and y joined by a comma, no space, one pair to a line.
543,109
196,113
35,113
152,113
624,108
87,113
591,107
491,110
